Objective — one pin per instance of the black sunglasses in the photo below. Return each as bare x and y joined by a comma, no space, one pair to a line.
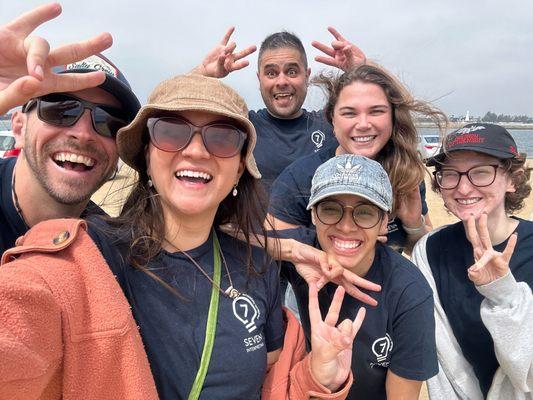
65,110
173,134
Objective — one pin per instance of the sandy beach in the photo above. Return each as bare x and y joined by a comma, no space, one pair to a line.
111,196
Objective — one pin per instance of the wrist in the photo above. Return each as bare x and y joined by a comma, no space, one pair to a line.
416,230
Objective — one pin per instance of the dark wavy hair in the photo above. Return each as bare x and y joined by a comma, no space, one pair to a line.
399,156
141,220
519,174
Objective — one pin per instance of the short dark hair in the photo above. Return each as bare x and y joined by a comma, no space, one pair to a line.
281,40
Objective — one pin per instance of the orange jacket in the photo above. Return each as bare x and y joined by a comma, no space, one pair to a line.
67,332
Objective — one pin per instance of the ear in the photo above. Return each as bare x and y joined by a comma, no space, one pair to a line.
313,216
18,123
308,74
510,183
147,158
242,167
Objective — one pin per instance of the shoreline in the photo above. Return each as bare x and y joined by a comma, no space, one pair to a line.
456,125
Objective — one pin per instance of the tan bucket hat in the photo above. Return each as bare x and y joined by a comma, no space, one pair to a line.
181,93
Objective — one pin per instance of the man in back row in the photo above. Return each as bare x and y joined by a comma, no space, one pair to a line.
66,128
285,130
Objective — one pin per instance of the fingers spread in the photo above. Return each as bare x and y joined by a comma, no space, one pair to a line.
70,53
357,294
74,82
472,232
18,93
361,282
245,53
323,48
484,231
28,22
509,249
358,321
335,33
314,310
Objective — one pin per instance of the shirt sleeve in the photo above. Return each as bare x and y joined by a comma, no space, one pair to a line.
274,329
288,198
414,353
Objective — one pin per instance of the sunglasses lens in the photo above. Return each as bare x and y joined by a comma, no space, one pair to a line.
329,212
223,140
107,121
169,134
60,111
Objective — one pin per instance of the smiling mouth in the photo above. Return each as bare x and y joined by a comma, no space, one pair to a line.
283,96
73,162
346,244
193,176
467,202
363,139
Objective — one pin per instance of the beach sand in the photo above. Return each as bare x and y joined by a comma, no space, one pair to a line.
111,196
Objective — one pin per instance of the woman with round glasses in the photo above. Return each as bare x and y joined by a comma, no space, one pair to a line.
394,351
481,268
371,116
205,304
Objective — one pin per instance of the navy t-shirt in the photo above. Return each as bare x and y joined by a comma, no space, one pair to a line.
173,328
282,141
398,334
11,224
450,255
291,191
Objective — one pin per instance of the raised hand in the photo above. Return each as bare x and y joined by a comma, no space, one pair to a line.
342,53
490,264
223,60
317,268
26,61
331,354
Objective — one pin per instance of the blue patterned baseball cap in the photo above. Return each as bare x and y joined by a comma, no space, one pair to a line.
115,82
352,174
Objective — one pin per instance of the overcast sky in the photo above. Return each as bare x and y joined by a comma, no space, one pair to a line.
463,55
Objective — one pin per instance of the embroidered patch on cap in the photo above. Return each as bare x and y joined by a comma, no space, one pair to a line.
96,63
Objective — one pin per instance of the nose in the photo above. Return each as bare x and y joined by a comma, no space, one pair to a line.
464,186
363,122
347,224
196,148
83,129
282,80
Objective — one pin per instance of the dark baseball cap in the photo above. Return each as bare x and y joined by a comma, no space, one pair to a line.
490,139
115,82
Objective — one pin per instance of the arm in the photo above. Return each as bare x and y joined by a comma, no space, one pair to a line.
399,388
222,60
410,212
30,333
26,61
508,305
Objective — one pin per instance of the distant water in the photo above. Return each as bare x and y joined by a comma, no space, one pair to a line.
523,138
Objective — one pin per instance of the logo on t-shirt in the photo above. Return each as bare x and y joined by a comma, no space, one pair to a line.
381,348
246,311
318,137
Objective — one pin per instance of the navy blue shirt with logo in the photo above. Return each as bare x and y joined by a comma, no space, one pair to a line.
173,327
11,224
450,255
282,141
398,334
291,191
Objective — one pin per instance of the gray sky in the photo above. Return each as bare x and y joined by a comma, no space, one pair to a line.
466,55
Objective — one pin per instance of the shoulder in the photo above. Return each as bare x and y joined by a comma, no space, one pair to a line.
445,235
401,276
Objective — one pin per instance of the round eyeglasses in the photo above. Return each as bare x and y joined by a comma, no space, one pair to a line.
365,216
480,176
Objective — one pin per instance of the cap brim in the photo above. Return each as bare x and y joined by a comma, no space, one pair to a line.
354,190
441,157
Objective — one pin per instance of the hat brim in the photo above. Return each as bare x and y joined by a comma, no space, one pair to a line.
130,138
363,192
116,88
441,157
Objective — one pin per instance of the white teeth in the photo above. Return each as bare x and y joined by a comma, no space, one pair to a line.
194,174
280,95
467,202
362,139
345,244
74,158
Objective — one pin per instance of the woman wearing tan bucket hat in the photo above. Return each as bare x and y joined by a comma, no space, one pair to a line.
206,304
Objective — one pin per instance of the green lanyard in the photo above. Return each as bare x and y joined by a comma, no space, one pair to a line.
210,331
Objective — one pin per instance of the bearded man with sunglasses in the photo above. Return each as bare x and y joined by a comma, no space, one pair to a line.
67,138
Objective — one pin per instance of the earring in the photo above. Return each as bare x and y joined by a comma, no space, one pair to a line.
234,192
150,183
